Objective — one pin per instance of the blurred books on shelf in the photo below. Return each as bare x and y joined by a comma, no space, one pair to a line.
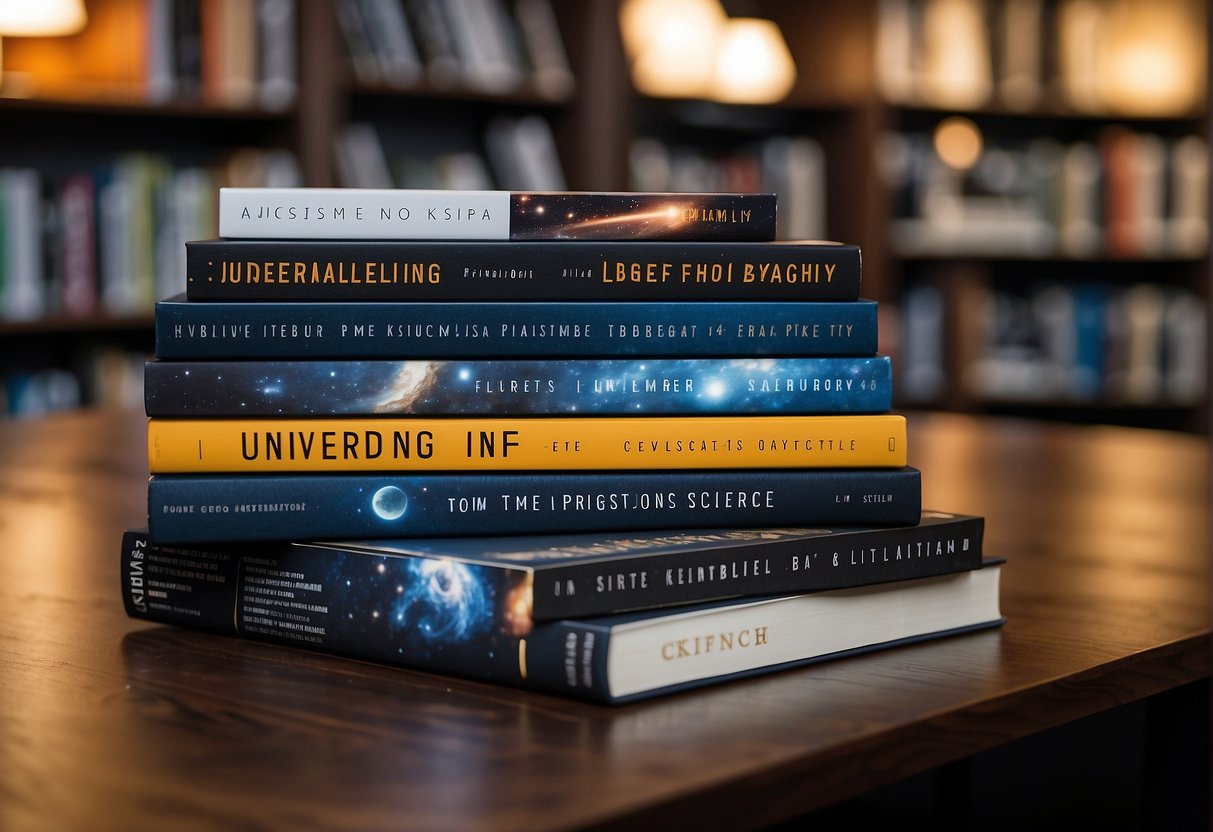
1123,58
223,53
1138,345
109,239
1124,194
490,47
514,153
791,167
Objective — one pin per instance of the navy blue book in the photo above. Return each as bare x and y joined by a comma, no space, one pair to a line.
578,575
384,329
470,270
434,615
591,387
215,508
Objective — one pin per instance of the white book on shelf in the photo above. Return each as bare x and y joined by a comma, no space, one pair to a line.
1188,213
24,295
1144,308
1081,207
1184,328
278,75
161,83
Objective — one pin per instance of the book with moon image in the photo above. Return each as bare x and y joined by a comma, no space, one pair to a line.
213,508
440,615
572,387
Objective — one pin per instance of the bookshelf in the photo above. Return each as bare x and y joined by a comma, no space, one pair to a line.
973,326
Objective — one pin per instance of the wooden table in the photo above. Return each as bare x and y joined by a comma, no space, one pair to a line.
108,723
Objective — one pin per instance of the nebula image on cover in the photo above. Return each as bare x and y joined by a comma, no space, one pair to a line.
674,216
426,611
567,387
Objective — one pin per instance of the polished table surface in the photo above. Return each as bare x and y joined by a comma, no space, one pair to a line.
109,723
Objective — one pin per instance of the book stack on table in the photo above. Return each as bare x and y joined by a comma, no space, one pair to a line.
606,445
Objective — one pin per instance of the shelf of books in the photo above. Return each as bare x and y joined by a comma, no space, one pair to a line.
988,161
1048,207
606,445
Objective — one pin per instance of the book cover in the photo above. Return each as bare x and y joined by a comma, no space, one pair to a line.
209,508
468,329
446,270
545,387
418,214
578,575
506,443
434,615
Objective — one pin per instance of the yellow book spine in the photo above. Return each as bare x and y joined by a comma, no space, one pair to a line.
511,444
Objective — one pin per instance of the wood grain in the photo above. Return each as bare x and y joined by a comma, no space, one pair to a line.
108,723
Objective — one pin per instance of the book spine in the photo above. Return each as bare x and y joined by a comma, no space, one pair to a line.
380,609
723,567
415,214
366,270
587,387
232,329
186,508
530,443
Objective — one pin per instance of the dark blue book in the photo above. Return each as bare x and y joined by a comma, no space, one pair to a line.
470,270
384,329
591,387
212,508
435,615
578,575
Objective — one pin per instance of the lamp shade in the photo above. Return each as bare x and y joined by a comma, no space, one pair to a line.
41,17
753,64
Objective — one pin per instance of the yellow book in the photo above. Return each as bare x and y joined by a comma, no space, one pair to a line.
511,444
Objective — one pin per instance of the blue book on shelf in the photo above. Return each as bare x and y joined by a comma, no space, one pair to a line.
463,329
590,386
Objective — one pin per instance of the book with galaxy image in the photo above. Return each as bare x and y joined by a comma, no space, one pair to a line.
214,329
545,387
441,615
214,508
520,443
414,214
582,574
486,270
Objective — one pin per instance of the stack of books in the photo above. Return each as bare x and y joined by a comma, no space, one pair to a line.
604,445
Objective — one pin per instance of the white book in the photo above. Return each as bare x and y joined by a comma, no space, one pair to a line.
23,295
1188,214
278,79
404,214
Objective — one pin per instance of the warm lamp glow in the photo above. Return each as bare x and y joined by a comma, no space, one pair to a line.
958,142
753,64
41,17
956,60
1152,58
672,44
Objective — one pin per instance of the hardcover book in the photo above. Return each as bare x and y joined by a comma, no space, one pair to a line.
470,329
578,575
407,214
437,270
433,615
506,443
210,508
572,387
